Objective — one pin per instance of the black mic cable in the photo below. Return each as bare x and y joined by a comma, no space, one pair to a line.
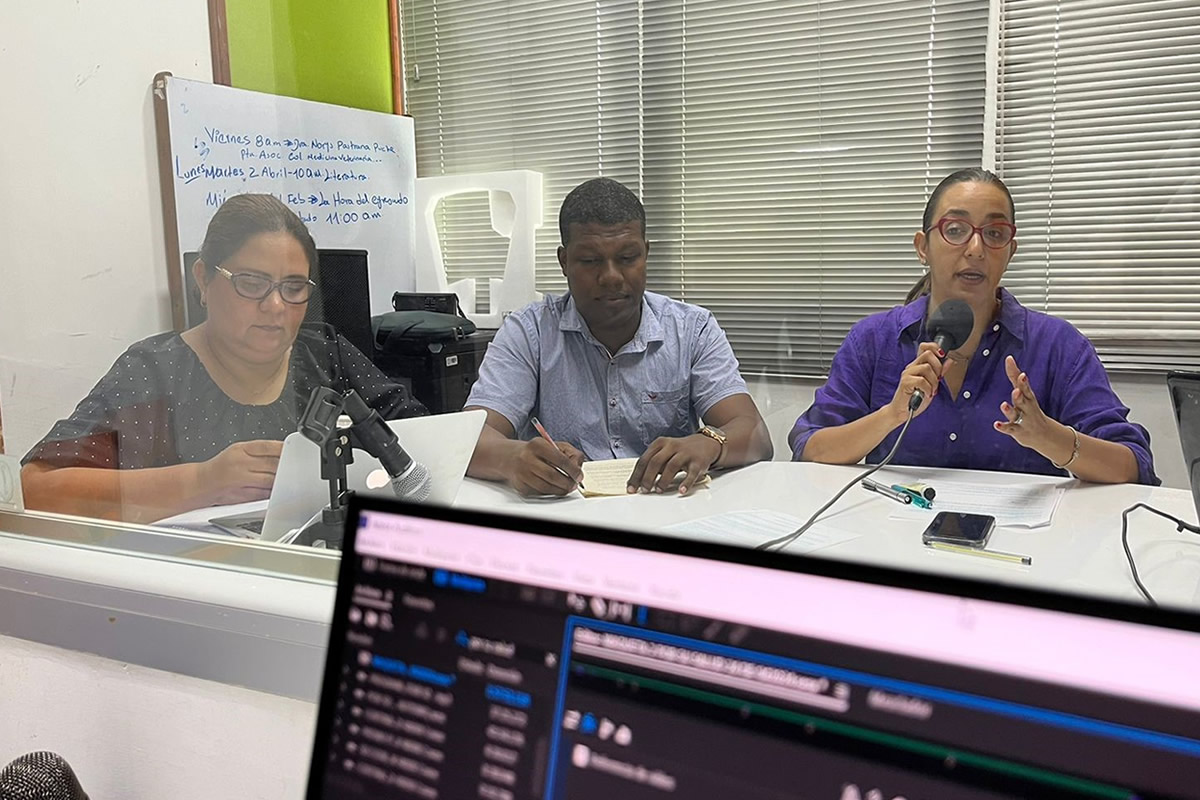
1180,526
786,539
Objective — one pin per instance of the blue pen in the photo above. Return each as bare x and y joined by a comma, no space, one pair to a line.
887,491
919,499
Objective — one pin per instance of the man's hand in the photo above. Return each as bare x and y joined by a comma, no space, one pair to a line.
242,472
539,468
655,471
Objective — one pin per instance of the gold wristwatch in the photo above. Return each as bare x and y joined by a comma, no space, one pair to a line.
717,435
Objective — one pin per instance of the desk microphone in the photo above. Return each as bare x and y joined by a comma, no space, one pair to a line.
410,478
40,776
951,326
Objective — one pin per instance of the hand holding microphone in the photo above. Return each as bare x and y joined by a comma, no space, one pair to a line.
950,325
918,383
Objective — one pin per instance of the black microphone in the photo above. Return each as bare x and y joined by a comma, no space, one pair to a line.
951,324
40,776
410,479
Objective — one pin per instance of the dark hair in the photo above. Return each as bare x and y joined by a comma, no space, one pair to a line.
244,216
968,175
921,287
600,200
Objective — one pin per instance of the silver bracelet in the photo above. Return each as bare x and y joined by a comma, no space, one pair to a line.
1074,453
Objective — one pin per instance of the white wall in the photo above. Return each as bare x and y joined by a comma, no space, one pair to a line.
1149,404
82,250
141,734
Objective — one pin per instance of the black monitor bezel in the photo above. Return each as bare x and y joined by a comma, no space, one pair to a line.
799,564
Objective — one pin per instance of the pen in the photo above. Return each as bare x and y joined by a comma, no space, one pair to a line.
899,497
919,498
542,432
996,555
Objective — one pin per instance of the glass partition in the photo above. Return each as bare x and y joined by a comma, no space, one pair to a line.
771,302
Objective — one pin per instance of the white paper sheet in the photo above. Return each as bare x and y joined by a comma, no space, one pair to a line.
755,526
1023,505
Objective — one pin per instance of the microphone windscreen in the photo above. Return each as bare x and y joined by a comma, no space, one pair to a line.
415,484
952,321
40,776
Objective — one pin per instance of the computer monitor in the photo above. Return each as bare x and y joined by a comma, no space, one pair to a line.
474,656
341,297
1185,399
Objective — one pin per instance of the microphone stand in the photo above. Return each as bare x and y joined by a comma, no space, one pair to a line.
328,420
322,423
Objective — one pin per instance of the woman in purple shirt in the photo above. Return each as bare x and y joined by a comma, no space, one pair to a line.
1025,393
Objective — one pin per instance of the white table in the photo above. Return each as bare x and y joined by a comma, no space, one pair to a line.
1080,552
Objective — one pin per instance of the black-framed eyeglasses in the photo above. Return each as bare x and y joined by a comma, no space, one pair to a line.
956,231
258,287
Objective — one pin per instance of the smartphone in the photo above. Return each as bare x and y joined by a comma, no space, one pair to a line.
964,530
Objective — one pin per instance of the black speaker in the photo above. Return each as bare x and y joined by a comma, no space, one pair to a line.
342,297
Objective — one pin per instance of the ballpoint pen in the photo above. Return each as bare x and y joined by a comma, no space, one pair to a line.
995,555
887,491
542,432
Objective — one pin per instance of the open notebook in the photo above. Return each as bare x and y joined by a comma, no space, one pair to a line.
608,478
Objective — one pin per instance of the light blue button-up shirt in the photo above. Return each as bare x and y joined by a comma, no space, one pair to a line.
544,362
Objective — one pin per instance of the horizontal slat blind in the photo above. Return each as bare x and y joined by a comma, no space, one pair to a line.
520,84
1098,137
783,150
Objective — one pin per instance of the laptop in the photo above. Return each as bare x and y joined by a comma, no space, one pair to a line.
1185,399
479,656
444,443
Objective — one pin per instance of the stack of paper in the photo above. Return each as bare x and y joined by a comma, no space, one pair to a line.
753,527
1026,505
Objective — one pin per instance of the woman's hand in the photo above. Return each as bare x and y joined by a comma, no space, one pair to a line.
1025,421
242,472
923,375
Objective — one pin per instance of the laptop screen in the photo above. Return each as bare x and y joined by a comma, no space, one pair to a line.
524,660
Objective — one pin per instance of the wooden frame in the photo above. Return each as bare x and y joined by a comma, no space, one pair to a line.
394,23
218,40
176,280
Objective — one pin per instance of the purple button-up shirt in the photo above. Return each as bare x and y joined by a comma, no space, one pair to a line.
1064,372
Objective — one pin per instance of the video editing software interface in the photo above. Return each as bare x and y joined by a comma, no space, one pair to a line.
481,663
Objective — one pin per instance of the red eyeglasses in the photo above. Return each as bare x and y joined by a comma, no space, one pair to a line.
957,231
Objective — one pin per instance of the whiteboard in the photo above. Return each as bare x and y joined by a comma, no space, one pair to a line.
348,173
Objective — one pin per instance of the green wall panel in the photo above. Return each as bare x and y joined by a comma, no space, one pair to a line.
334,51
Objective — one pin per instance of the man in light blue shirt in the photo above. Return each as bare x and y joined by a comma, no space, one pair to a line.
611,370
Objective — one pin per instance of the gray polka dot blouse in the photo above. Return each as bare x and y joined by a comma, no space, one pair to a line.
158,406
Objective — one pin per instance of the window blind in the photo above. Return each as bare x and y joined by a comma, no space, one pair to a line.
1098,138
783,150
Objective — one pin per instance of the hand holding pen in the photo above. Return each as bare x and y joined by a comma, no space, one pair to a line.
546,467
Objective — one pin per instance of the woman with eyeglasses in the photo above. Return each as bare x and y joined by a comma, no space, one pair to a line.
1025,392
184,421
